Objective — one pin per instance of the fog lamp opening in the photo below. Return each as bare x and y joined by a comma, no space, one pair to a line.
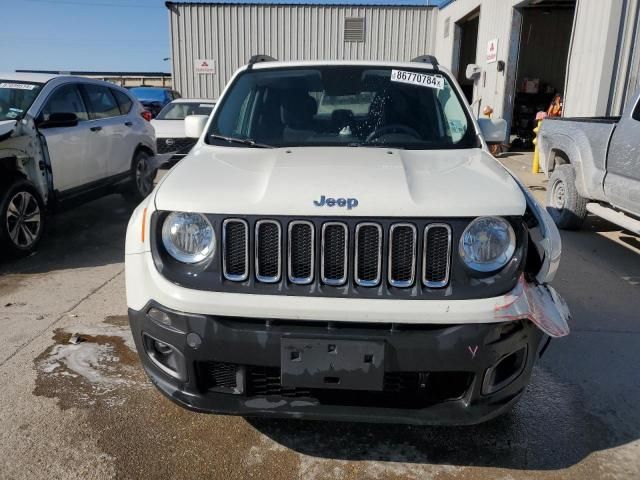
166,357
505,371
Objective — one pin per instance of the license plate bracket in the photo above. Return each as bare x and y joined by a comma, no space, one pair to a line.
332,364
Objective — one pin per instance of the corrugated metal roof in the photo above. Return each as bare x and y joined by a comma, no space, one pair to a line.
350,3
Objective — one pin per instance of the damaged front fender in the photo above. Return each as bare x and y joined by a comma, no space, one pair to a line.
540,304
550,243
21,150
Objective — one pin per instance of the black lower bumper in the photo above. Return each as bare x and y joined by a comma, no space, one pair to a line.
431,374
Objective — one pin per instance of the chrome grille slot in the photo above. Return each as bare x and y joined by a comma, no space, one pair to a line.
235,246
268,251
334,255
368,254
436,262
301,253
402,255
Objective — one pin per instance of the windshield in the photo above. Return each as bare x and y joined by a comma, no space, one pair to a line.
180,110
147,94
344,106
16,98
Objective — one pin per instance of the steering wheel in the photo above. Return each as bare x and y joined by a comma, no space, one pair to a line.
396,128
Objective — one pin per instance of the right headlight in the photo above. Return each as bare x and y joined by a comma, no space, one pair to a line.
487,244
188,237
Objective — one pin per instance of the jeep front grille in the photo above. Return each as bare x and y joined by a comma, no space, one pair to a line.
402,255
301,258
268,251
335,253
437,255
235,246
368,254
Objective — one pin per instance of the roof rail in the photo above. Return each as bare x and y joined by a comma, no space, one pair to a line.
260,58
427,59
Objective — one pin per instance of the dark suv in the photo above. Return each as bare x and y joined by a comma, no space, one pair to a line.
154,98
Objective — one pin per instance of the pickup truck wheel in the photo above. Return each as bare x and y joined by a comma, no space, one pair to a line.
142,175
565,205
22,216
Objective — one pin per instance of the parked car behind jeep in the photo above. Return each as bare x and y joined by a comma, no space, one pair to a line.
169,126
593,166
66,140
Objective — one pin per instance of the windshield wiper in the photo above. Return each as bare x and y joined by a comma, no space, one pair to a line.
244,141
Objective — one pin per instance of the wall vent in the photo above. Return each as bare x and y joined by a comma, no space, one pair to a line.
354,29
447,26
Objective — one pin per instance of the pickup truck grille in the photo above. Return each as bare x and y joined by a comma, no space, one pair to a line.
337,253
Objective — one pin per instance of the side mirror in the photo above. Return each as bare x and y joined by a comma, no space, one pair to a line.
194,125
493,130
58,120
473,71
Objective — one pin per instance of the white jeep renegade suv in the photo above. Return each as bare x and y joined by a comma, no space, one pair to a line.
340,244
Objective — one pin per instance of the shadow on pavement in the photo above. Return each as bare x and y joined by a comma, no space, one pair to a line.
87,236
581,399
551,428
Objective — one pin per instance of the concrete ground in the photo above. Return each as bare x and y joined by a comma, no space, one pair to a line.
87,410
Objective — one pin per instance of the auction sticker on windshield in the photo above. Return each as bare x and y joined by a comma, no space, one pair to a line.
18,86
421,79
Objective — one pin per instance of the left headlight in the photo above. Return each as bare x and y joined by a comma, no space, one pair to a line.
188,237
487,244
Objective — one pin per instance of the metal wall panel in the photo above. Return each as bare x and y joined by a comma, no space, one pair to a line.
495,22
592,56
230,33
627,68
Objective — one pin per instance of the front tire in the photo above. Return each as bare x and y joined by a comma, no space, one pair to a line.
22,217
142,177
565,205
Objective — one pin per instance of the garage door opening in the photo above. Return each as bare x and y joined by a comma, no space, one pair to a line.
544,38
466,42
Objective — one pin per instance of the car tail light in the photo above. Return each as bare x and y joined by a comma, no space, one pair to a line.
147,115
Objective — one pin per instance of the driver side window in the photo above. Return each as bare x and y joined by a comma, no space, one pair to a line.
66,99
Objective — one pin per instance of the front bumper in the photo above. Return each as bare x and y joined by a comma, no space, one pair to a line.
433,374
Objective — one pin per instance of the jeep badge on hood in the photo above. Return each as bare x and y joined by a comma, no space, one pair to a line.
340,202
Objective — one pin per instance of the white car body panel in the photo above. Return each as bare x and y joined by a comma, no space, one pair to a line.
168,128
386,182
73,160
144,282
6,126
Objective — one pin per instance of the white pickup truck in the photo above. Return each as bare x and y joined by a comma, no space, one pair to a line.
66,140
339,244
593,165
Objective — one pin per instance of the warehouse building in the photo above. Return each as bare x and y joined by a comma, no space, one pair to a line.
527,51
209,41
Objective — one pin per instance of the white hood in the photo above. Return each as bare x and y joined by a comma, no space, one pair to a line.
168,128
385,182
6,126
